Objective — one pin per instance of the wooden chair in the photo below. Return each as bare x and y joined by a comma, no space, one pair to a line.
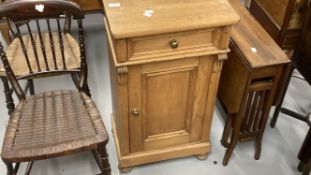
302,61
44,49
54,123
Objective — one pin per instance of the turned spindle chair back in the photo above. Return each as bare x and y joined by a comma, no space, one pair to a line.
53,123
39,48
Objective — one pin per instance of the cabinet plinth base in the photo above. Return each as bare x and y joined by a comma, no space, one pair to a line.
150,156
125,170
202,156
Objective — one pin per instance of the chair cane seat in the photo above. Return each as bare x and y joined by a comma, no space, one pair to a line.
17,60
52,124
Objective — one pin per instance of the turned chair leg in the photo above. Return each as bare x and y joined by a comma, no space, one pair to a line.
300,166
227,129
10,170
307,168
8,95
102,161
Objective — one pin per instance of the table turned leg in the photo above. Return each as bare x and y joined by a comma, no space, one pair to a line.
8,95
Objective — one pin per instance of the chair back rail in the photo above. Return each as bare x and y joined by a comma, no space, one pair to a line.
20,16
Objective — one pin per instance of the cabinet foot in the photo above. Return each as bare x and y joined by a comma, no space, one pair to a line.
202,156
125,170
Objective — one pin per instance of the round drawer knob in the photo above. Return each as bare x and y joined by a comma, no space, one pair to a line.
135,112
173,43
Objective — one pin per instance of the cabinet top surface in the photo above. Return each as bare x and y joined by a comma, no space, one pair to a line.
256,45
134,18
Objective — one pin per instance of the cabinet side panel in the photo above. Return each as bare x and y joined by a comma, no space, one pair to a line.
114,97
211,97
203,83
120,106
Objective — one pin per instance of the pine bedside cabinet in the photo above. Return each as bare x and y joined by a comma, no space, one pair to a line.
165,62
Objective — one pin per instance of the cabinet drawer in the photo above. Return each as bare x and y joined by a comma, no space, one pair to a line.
172,44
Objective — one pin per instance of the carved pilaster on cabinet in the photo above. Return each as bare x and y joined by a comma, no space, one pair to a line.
222,57
218,64
122,70
122,75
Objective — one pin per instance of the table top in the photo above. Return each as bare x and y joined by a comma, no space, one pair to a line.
257,46
134,18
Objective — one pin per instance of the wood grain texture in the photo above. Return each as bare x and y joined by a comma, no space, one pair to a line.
134,159
167,18
86,6
231,87
282,19
250,82
277,9
254,42
4,29
54,123
157,46
165,76
302,57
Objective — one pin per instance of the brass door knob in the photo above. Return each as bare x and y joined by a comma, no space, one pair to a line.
173,43
135,112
